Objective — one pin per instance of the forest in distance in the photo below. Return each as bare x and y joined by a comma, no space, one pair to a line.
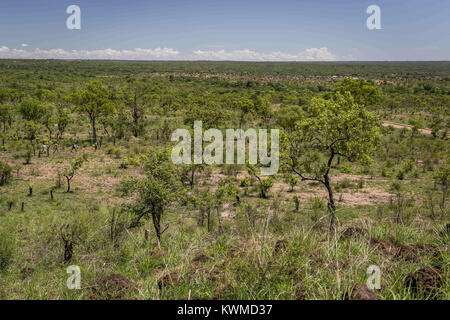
358,208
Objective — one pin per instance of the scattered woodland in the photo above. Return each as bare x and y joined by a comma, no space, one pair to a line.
86,179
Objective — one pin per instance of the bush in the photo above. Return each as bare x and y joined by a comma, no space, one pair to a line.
345,183
361,183
266,184
5,173
401,174
244,183
6,250
344,169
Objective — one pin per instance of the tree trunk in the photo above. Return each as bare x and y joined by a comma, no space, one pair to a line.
68,184
157,224
208,213
331,205
192,177
94,132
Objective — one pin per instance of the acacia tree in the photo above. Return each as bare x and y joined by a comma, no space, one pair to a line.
263,107
6,112
156,191
334,127
244,106
134,97
362,92
32,110
62,120
215,201
95,101
70,173
31,130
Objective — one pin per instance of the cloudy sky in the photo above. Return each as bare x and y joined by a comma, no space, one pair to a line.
283,30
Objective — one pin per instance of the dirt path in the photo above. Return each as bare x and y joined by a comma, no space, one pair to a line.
397,125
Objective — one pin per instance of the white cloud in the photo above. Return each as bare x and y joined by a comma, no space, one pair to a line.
135,54
312,54
24,45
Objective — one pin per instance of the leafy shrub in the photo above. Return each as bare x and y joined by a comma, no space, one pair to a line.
293,182
266,184
408,166
344,169
244,183
401,174
345,183
5,173
361,183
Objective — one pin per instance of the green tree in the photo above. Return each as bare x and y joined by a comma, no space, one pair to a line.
288,116
74,167
156,191
31,130
245,106
6,113
135,97
32,110
263,108
362,92
62,121
96,101
334,127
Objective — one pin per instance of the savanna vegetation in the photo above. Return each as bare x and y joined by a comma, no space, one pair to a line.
86,179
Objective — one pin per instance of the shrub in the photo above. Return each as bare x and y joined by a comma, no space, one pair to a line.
292,182
408,166
5,173
401,174
345,183
11,201
245,182
266,184
344,169
361,183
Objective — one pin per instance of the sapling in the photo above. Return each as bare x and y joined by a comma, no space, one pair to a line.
70,173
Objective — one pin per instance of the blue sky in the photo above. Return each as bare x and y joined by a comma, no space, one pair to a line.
231,30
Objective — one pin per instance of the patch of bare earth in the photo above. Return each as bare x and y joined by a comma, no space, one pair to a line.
305,191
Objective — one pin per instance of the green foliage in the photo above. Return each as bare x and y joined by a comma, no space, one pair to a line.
70,172
362,92
96,101
293,182
32,110
244,183
336,126
157,190
6,115
5,173
266,185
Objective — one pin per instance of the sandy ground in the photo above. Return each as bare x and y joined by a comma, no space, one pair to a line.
396,125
